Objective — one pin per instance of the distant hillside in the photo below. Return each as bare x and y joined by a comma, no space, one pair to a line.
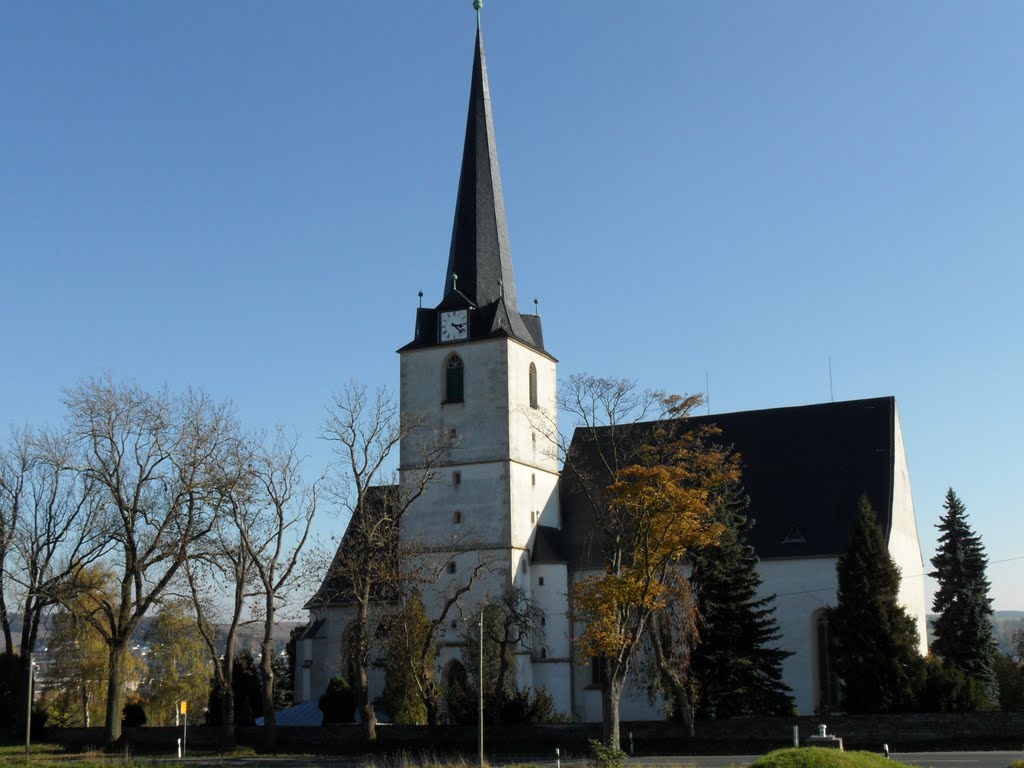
249,635
1005,624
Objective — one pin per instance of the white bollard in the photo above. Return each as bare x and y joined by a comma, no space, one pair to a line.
796,735
179,749
886,748
632,750
558,758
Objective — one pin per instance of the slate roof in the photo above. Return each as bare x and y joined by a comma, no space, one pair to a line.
335,589
548,546
480,255
804,469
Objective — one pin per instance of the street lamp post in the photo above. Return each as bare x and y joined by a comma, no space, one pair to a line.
480,680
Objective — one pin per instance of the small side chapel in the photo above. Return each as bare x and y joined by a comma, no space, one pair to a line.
475,369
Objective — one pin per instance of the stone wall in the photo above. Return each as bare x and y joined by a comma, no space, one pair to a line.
754,735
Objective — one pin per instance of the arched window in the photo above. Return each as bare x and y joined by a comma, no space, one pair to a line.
533,385
457,517
453,380
828,685
454,676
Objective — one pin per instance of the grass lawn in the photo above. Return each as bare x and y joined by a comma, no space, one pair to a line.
818,757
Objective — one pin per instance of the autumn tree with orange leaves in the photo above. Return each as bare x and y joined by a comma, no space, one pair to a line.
653,487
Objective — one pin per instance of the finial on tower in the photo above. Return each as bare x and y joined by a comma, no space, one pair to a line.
477,5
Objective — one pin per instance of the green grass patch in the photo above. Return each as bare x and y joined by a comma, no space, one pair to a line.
18,750
72,760
818,757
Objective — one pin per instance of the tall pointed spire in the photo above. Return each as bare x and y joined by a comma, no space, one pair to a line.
479,278
480,254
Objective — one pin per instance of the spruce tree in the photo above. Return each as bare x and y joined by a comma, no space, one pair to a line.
876,640
737,666
963,629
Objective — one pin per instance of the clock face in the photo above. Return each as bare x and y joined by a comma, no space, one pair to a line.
455,325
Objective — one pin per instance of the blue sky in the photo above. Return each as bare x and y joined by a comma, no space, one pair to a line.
246,197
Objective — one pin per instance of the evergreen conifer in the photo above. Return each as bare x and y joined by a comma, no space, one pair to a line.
963,629
876,640
406,669
737,666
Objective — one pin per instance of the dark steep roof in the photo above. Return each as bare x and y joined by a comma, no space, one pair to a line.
480,254
804,469
548,546
336,588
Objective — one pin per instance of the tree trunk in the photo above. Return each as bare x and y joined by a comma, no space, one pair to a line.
680,694
367,713
115,694
431,708
85,706
611,693
267,681
227,699
361,657
5,620
29,632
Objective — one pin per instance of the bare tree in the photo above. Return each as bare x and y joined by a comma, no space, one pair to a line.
221,573
365,431
511,626
15,466
273,522
670,638
154,460
54,532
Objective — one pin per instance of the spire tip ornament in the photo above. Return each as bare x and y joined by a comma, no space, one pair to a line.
477,5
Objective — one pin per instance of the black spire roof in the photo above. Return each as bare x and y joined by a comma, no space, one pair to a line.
479,275
480,254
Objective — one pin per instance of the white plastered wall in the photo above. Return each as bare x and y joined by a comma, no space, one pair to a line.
552,654
803,587
904,544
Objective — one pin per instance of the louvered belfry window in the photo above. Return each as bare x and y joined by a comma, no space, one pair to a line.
533,385
453,383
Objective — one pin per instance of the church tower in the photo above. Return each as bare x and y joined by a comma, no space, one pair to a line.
477,372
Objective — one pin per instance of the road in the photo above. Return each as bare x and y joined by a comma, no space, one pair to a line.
921,759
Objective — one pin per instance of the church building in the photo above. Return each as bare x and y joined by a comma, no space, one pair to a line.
477,371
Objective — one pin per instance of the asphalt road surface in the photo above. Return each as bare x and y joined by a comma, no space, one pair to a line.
921,759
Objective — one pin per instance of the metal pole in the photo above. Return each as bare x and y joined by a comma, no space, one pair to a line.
480,680
28,710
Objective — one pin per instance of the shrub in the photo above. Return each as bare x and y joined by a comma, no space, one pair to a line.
942,687
133,715
338,702
607,757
